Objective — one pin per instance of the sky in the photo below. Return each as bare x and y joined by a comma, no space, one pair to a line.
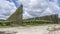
38,8
8,7
31,8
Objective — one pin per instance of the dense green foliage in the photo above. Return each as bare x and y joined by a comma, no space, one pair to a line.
8,23
38,21
50,19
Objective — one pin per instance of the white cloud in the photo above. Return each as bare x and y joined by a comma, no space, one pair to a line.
6,9
37,8
27,16
54,7
32,8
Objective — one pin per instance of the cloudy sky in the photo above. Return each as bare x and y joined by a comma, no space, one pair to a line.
37,8
8,7
31,8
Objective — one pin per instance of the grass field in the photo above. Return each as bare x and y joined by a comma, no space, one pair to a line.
24,23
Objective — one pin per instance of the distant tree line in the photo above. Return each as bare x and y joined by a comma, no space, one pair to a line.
53,19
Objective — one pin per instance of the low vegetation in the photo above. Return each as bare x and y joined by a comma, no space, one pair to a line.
50,19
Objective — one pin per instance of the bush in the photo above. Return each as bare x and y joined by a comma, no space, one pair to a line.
37,22
8,23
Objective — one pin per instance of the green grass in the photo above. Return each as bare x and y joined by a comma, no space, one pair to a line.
16,25
6,24
9,26
35,24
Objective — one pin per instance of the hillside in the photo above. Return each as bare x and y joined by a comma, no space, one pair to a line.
44,19
48,17
17,16
15,19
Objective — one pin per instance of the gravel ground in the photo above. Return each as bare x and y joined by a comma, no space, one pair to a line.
27,30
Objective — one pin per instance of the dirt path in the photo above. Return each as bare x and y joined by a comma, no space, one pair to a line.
33,30
27,30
